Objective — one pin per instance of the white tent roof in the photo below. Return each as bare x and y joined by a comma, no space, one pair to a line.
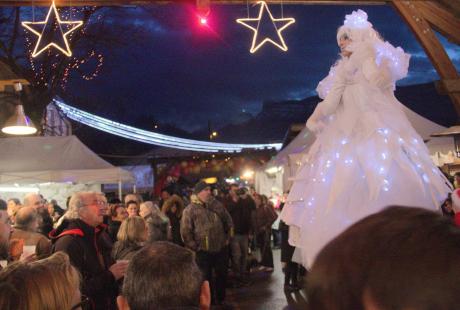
423,126
26,160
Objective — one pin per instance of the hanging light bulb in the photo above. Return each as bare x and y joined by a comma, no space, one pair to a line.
19,123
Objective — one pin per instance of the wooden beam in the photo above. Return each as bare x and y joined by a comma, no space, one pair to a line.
11,3
446,87
5,83
430,43
451,5
441,19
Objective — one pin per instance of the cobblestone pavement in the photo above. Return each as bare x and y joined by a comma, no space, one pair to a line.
266,292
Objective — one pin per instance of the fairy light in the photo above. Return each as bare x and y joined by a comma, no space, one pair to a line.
249,22
357,19
44,69
153,137
41,46
386,185
425,178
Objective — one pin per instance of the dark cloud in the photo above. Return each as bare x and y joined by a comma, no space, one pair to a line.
177,72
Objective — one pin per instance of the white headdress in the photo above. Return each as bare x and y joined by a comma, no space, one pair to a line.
357,28
361,32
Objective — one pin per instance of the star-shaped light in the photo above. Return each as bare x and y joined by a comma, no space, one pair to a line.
52,27
254,23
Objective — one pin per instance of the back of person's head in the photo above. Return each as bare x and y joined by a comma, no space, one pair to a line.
51,283
132,229
163,276
146,207
132,197
26,217
399,258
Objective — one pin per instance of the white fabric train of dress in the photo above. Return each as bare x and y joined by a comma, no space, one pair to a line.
366,156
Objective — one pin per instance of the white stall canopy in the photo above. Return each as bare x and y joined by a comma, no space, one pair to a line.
27,160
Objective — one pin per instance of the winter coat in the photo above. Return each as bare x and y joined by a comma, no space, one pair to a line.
89,249
174,220
265,216
43,245
206,227
241,212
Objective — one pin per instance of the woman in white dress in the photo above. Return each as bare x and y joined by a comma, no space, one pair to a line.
366,155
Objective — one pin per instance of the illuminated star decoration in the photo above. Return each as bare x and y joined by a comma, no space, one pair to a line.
254,23
50,32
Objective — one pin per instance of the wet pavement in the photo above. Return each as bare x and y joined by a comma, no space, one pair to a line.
267,292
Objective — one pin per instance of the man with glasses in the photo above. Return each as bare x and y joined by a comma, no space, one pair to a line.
83,237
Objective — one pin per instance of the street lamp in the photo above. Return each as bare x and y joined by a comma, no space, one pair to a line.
213,135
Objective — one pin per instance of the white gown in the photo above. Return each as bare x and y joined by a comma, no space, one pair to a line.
366,155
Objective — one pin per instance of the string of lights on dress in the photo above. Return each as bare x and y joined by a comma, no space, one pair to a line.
366,155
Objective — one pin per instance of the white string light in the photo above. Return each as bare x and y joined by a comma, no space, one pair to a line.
153,137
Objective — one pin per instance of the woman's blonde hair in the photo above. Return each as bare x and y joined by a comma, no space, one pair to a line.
132,229
50,283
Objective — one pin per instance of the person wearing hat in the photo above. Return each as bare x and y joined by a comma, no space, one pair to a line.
206,228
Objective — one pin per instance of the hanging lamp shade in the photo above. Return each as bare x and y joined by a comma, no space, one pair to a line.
19,123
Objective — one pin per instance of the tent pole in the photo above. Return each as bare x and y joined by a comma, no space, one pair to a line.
119,190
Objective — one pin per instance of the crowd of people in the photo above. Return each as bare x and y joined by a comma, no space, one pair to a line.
177,253
215,235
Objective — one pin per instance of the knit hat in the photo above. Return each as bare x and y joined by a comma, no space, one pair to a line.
456,200
200,186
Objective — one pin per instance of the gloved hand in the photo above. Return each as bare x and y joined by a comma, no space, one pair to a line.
314,122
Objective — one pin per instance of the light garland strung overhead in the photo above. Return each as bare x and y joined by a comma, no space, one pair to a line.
52,27
155,138
255,23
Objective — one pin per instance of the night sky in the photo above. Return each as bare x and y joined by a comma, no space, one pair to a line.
177,72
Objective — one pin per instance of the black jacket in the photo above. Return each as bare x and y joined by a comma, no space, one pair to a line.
89,251
242,214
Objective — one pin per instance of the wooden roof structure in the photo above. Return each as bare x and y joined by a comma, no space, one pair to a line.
8,78
423,18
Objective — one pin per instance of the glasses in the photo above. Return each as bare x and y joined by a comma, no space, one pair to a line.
84,304
99,203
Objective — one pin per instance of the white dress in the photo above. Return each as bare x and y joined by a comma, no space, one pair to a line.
366,155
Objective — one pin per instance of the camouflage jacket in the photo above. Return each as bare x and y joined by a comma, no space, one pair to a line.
206,227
